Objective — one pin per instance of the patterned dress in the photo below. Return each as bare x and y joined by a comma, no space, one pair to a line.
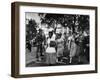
60,47
72,48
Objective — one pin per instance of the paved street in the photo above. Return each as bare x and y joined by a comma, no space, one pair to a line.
32,62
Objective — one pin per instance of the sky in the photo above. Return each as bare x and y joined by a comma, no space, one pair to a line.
31,15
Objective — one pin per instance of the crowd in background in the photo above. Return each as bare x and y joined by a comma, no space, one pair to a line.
59,44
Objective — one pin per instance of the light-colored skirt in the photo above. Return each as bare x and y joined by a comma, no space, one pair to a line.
50,55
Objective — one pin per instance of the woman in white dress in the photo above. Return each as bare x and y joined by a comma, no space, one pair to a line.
51,51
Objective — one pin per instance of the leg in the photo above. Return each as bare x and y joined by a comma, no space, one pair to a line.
70,60
38,52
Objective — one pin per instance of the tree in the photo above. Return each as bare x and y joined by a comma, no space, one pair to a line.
84,22
31,29
67,20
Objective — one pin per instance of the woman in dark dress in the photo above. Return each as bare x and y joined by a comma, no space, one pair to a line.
40,40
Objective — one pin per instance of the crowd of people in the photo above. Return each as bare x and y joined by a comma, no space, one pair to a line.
61,45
